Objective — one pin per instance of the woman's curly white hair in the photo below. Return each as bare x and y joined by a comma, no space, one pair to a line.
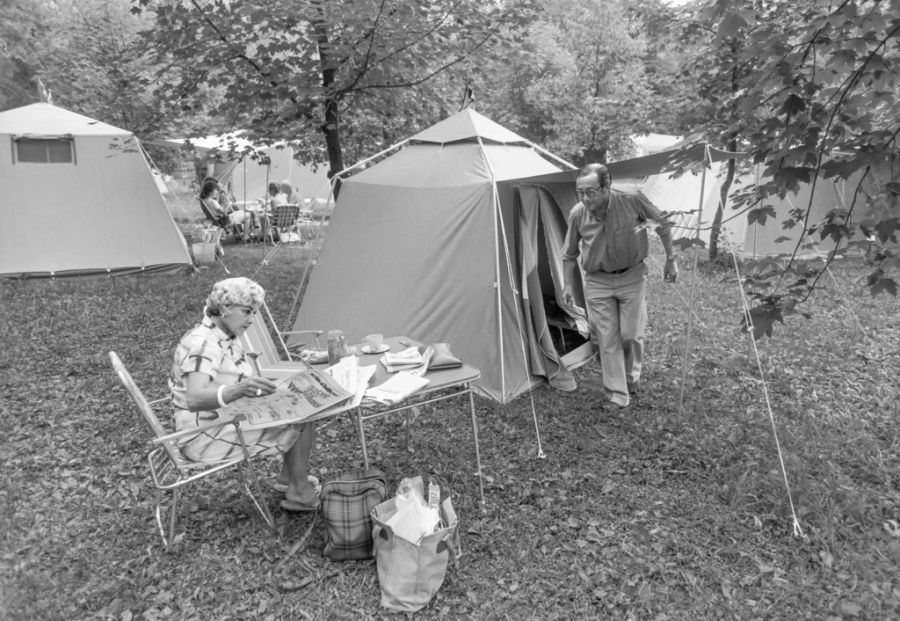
234,292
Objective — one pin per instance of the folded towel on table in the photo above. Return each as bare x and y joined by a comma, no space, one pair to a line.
407,360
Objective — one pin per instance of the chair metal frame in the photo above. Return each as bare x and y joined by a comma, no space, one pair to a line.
273,358
171,470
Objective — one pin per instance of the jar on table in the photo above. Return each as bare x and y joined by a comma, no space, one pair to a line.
337,346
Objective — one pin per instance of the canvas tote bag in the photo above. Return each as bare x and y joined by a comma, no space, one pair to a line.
410,574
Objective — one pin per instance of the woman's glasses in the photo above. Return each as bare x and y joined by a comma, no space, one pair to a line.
246,310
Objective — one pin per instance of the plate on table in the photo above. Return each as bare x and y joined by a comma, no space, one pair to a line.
380,350
312,356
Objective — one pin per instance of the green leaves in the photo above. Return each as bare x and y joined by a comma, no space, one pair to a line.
759,215
878,282
310,70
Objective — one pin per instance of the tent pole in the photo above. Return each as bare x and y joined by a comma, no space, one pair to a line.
369,159
517,297
497,285
692,297
547,153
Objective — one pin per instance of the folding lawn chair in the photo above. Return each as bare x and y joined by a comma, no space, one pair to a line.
273,359
171,470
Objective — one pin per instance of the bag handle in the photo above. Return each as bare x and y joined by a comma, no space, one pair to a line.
454,545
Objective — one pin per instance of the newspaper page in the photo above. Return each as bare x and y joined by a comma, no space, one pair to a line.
352,377
397,388
296,398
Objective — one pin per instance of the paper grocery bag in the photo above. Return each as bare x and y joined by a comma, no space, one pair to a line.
409,573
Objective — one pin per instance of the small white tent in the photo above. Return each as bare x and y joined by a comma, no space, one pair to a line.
77,197
434,242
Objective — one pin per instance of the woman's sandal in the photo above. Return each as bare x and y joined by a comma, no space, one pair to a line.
282,487
301,507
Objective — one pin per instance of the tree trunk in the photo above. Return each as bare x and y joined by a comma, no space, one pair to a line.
720,209
593,155
331,128
729,177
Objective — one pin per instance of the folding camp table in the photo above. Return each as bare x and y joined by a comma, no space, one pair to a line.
443,384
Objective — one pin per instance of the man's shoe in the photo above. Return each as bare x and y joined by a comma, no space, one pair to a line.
634,388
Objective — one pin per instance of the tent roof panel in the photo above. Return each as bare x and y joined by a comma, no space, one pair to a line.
43,119
467,125
457,164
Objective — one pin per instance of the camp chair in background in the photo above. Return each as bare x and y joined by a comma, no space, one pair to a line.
284,224
219,221
222,222
272,357
171,470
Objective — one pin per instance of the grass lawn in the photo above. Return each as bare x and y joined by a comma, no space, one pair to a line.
647,513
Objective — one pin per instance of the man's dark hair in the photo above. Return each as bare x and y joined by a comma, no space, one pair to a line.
600,170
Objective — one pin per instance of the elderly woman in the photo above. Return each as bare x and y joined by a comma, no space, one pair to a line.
211,371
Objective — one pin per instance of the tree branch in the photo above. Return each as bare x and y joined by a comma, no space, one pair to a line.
425,78
833,253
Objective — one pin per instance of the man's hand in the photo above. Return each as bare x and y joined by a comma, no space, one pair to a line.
670,271
568,298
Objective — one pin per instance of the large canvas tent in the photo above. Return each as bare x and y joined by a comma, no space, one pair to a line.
77,197
436,242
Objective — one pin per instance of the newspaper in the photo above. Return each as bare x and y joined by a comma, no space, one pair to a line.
352,377
296,398
397,388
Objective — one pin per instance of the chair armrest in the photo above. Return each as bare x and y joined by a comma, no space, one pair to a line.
234,420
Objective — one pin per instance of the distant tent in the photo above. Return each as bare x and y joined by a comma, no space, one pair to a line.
696,193
77,197
436,242
248,169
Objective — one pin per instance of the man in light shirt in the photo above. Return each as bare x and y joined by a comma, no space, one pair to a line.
608,231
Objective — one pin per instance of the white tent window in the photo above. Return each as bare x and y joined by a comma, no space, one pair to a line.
55,150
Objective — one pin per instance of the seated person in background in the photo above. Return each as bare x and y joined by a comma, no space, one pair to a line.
211,370
278,197
293,197
209,195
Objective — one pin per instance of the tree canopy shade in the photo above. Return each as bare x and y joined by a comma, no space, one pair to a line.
301,69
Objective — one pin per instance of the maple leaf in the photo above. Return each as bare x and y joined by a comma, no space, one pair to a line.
759,215
888,285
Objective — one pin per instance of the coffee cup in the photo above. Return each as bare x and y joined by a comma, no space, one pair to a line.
374,342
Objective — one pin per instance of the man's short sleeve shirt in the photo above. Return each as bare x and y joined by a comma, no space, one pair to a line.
614,242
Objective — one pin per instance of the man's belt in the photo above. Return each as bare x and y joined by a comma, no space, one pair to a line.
622,271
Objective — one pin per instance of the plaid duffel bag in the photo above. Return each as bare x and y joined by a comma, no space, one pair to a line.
347,501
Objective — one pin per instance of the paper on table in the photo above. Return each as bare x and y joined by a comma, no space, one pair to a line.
397,388
344,372
352,377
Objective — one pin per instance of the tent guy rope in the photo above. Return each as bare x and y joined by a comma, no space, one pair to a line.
797,528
